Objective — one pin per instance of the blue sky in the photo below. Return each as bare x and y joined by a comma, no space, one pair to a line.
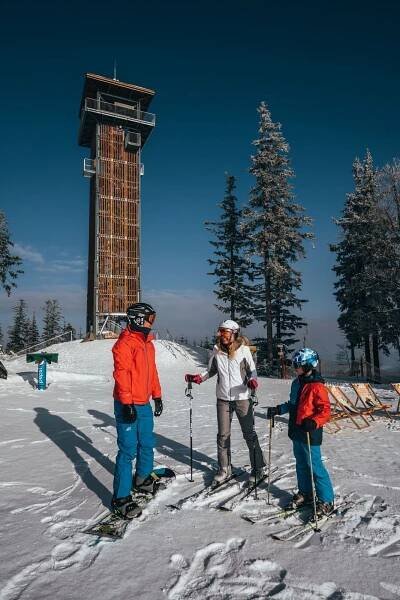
328,72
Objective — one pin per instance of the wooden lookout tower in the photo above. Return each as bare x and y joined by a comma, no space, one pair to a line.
114,125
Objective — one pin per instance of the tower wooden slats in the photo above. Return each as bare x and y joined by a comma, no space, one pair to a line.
114,222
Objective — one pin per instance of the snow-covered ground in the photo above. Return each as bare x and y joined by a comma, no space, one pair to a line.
57,450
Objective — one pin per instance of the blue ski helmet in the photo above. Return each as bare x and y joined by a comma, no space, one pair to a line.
305,357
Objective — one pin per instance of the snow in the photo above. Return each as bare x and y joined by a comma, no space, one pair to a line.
57,450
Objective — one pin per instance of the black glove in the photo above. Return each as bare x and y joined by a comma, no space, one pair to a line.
308,424
158,407
129,413
272,411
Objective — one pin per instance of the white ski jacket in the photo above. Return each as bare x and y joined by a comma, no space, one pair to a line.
232,373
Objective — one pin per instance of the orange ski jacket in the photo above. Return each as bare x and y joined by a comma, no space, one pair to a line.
135,371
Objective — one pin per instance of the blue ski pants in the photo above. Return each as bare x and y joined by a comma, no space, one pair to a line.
323,484
134,440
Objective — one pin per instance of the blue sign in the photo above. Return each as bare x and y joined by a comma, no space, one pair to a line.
42,375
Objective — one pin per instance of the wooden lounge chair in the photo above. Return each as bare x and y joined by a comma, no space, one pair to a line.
369,399
342,407
396,387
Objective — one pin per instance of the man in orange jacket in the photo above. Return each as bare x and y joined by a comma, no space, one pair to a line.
136,380
309,410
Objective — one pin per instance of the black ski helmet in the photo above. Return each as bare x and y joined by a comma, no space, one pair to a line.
140,312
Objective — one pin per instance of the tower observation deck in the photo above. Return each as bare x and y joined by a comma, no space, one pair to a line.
114,125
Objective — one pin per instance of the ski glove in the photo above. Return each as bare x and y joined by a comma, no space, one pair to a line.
272,411
129,413
193,379
308,424
158,407
252,383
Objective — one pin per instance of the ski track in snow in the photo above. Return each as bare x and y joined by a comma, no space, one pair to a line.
220,571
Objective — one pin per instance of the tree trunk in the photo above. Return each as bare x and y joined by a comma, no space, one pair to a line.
233,307
352,359
367,357
268,312
375,353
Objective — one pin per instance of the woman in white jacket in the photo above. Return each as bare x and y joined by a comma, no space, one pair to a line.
232,362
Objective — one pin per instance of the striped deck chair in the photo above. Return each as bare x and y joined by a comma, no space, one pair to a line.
369,399
342,407
396,387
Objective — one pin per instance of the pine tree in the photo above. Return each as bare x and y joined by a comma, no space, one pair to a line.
364,265
33,332
52,320
389,199
1,337
9,262
18,332
230,266
274,225
68,328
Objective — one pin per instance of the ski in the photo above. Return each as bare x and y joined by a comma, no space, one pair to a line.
244,492
297,531
112,525
206,491
281,514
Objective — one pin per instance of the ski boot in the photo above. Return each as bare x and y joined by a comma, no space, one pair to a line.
223,473
300,499
149,484
125,508
257,474
324,508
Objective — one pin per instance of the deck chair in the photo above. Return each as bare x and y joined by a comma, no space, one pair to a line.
342,407
368,398
396,387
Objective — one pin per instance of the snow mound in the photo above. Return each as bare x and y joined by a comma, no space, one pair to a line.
94,359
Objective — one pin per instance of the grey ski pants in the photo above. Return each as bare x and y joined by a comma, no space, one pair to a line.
243,410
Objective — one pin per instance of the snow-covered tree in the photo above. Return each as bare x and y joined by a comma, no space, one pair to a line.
9,262
275,227
365,265
389,199
19,330
230,267
52,320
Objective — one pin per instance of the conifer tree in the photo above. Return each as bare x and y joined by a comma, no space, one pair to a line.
68,328
1,336
230,266
9,262
364,265
389,198
18,332
274,225
33,332
52,320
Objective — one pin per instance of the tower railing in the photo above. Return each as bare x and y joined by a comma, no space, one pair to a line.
124,112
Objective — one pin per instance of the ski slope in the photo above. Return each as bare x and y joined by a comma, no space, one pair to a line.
57,450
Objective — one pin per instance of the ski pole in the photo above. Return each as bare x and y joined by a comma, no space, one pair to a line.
254,402
188,393
312,482
271,425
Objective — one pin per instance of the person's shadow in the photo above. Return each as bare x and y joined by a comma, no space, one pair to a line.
179,452
69,439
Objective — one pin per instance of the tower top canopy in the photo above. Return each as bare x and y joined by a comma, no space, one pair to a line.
98,83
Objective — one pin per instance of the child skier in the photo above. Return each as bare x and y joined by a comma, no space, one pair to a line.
232,362
136,379
309,410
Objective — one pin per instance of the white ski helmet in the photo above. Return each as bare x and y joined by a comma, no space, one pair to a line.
229,324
